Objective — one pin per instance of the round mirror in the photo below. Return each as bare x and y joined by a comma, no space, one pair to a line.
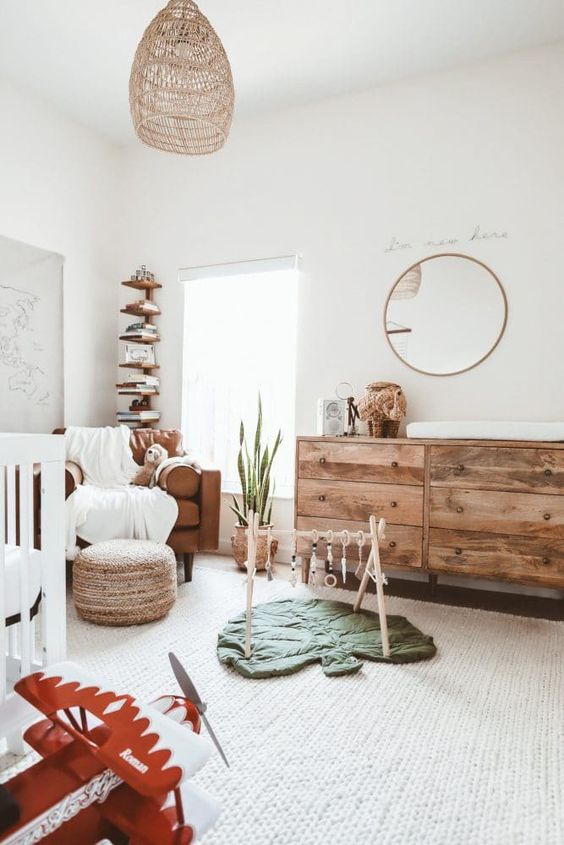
445,314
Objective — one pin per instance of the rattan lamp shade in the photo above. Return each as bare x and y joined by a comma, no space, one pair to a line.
181,89
408,286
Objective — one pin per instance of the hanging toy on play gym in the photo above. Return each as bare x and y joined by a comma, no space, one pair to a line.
330,579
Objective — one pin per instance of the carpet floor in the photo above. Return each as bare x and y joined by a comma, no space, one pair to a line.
464,749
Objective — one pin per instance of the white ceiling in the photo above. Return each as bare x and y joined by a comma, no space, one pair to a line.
78,54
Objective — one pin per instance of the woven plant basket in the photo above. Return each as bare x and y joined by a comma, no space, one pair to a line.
239,547
181,92
124,582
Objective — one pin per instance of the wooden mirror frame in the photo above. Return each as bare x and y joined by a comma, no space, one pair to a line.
501,331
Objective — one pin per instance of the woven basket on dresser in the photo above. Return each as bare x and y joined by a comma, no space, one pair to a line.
124,582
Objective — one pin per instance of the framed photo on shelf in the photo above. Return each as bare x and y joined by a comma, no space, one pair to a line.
137,353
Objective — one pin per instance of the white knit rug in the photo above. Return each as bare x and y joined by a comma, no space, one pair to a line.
465,749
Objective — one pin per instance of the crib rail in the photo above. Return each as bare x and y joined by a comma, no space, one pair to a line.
29,461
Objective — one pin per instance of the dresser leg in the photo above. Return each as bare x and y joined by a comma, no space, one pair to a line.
305,570
433,581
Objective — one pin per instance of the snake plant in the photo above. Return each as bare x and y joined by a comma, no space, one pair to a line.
257,486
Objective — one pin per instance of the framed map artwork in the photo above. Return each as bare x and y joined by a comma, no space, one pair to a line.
31,338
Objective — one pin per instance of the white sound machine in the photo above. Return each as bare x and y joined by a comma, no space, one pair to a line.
331,414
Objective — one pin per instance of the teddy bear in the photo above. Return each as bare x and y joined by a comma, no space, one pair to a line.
154,456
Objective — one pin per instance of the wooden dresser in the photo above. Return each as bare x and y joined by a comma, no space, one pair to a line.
488,509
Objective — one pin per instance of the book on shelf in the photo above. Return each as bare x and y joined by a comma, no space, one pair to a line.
132,390
141,327
145,337
131,385
146,416
135,378
143,305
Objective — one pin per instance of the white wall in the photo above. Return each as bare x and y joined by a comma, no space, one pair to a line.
422,160
58,191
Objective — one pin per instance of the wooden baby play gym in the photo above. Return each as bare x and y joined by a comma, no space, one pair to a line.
280,637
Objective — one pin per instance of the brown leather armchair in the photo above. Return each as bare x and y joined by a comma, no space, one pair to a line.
198,494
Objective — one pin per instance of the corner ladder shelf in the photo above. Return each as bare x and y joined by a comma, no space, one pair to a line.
137,392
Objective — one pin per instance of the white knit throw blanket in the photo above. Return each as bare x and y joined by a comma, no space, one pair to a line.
106,506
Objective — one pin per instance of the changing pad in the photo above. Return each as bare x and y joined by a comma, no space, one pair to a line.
12,578
484,430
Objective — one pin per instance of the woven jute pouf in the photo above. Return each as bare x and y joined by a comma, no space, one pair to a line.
124,582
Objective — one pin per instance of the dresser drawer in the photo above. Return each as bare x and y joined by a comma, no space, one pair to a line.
498,468
527,560
385,464
499,513
401,546
356,501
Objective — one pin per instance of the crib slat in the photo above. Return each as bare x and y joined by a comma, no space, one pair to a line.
53,570
32,597
31,512
32,642
11,536
30,545
2,585
13,641
11,504
26,540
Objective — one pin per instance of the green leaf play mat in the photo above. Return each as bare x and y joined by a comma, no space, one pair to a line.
291,634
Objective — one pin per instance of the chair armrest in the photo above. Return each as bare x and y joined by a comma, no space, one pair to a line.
204,485
180,480
210,505
73,477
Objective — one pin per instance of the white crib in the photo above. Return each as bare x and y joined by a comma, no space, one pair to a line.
29,578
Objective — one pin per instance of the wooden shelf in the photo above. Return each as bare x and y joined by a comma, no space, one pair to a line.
123,337
140,393
142,284
136,412
138,421
140,366
140,312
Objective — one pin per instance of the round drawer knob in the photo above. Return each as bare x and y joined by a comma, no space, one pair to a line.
394,463
459,509
546,560
393,504
392,544
460,467
548,472
458,551
321,498
322,460
546,516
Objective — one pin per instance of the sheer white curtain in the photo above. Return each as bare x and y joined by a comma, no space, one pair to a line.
240,332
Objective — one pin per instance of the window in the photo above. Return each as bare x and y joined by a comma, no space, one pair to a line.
240,333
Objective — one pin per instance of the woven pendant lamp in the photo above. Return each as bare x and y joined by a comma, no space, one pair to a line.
408,286
181,89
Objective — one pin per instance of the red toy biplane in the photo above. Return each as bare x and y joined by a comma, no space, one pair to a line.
112,769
